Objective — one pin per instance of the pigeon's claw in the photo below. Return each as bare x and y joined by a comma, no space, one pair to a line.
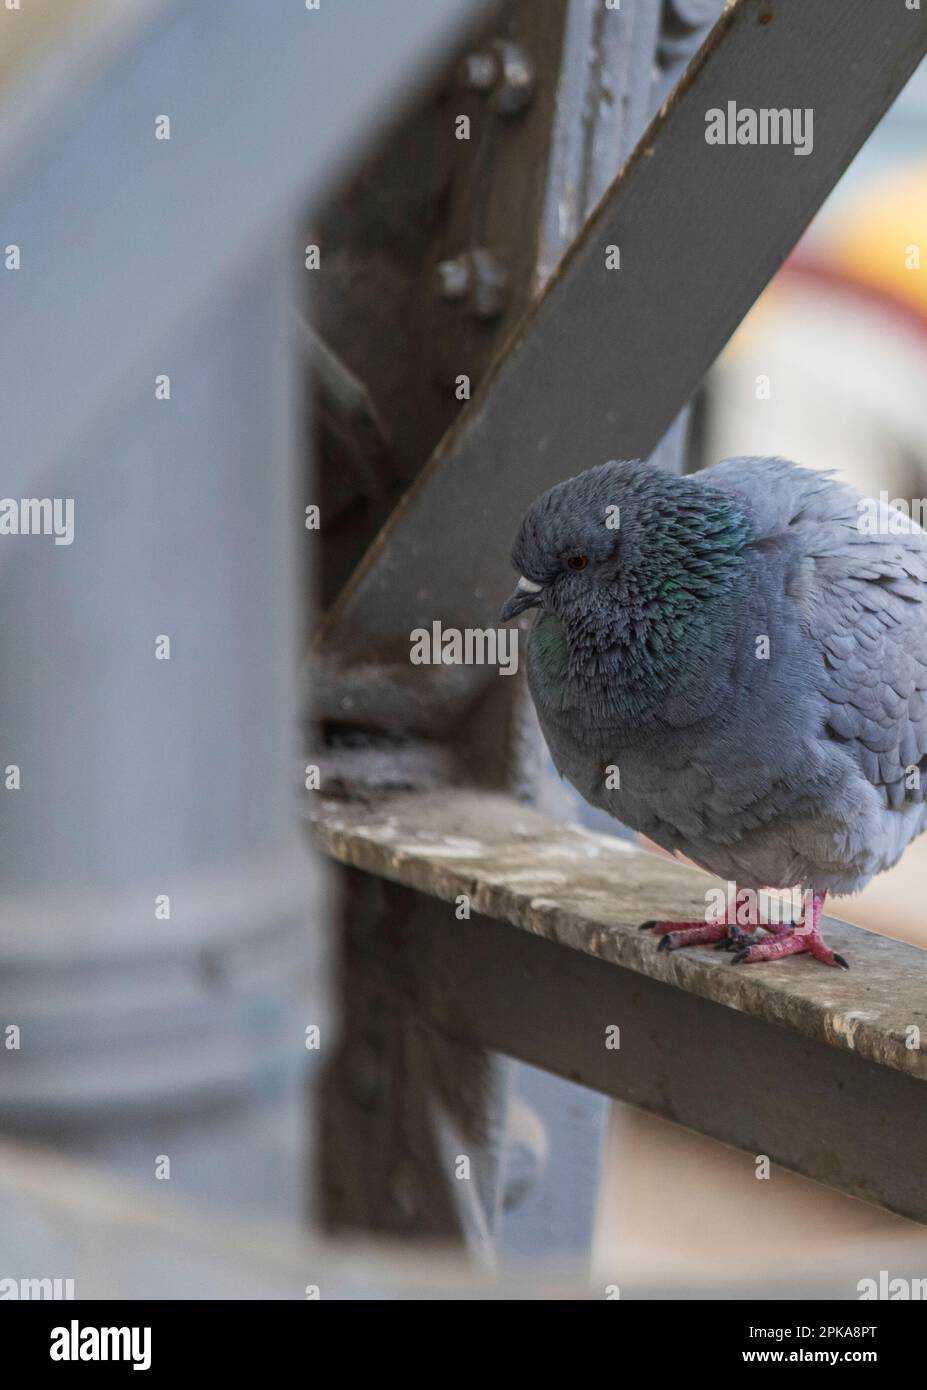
790,943
737,940
676,934
663,928
781,939
673,935
804,936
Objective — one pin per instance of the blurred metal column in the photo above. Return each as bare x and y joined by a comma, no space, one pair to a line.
161,948
146,691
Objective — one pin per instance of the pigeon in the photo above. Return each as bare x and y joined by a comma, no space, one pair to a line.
734,664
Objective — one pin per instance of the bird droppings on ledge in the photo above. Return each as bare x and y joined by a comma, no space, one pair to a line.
590,892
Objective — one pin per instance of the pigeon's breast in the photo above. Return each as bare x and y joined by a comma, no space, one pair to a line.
755,794
749,824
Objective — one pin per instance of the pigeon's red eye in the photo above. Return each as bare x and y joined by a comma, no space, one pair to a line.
578,562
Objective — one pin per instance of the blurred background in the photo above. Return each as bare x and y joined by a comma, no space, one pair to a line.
263,306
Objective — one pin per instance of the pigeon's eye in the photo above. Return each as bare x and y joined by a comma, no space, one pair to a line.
577,562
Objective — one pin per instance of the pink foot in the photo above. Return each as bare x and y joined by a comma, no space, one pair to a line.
727,933
783,940
675,934
804,936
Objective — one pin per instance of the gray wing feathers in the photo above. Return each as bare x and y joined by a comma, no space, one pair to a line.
860,577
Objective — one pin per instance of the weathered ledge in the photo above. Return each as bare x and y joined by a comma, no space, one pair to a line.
590,892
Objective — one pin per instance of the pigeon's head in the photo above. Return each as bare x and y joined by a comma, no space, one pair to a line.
578,540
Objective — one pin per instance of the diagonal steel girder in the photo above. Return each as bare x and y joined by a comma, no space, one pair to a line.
97,291
605,358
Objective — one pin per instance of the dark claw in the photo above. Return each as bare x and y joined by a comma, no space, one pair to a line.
646,926
665,942
735,938
740,955
840,961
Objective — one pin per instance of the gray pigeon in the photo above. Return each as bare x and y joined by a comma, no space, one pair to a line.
744,652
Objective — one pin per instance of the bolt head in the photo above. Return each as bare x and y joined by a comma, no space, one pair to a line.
513,92
479,71
454,277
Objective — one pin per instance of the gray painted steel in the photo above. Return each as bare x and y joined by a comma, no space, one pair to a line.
124,236
143,1034
815,1068
828,1114
605,360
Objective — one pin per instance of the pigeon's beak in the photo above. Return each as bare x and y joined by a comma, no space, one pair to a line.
524,596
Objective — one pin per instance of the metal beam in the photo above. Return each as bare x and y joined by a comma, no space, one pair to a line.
590,892
522,185
152,877
106,275
818,1110
605,359
780,1060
